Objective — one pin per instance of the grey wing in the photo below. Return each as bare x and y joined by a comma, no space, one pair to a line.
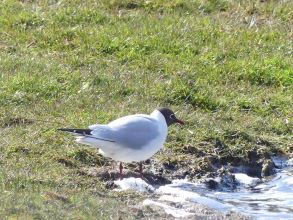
130,131
102,132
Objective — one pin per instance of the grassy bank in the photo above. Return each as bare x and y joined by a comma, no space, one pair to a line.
224,66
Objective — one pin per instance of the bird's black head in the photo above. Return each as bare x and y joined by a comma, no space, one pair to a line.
170,116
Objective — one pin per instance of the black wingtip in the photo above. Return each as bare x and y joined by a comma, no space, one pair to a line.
66,129
76,131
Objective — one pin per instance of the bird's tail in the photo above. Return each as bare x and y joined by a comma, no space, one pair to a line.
83,133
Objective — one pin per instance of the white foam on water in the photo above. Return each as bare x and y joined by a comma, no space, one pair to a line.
246,180
170,198
290,162
136,184
182,190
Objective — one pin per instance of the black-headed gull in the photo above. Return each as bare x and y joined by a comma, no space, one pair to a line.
132,138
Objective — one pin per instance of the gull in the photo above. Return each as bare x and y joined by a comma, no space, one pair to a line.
132,138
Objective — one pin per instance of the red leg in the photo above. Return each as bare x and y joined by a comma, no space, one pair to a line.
120,169
140,169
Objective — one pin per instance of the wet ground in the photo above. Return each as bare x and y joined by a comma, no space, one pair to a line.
212,189
188,166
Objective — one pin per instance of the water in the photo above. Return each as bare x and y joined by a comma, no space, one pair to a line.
271,198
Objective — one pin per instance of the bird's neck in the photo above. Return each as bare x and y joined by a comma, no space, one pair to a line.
163,127
159,116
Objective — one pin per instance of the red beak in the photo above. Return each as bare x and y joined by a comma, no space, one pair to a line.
179,121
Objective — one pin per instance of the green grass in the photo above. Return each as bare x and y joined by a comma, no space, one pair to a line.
224,66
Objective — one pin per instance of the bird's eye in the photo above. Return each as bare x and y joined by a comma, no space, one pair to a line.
172,116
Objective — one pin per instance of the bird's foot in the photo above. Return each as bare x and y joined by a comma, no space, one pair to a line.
120,171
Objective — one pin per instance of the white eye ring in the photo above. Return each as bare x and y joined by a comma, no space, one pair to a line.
172,116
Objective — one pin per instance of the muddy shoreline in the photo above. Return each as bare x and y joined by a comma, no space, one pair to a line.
214,170
160,171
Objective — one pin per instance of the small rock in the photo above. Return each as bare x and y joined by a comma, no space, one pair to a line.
268,168
227,179
211,184
110,184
